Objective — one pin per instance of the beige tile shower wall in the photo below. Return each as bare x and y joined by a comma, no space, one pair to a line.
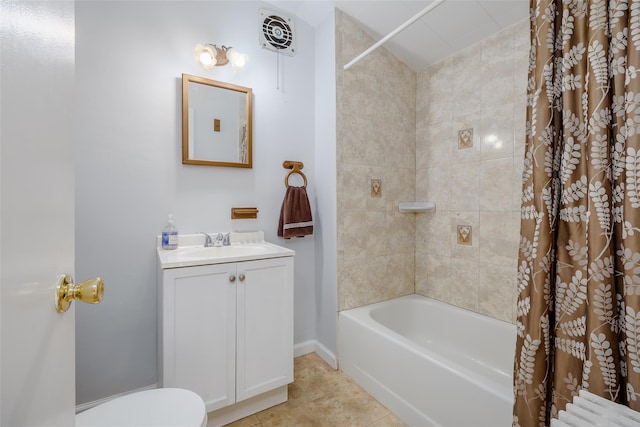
482,88
376,131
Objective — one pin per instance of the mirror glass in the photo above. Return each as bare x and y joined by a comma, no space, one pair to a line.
216,123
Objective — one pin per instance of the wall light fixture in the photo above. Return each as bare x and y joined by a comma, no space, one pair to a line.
210,55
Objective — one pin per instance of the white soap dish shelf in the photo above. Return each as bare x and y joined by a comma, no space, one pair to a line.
417,207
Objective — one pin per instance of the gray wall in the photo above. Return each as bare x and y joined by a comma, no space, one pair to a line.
129,59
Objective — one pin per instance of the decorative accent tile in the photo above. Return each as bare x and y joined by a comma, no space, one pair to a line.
376,188
464,234
465,138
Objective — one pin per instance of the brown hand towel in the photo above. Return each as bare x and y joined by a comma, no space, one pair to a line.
295,214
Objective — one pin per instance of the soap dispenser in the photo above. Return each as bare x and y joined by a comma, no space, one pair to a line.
170,235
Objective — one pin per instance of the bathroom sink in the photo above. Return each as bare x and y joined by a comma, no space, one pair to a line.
186,256
225,251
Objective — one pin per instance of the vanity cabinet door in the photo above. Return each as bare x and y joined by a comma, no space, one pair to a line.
265,326
199,332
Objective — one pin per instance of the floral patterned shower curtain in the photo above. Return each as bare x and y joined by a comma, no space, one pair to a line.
578,308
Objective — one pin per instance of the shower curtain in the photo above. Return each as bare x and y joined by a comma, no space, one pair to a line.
578,283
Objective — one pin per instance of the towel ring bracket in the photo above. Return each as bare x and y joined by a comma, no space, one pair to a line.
296,167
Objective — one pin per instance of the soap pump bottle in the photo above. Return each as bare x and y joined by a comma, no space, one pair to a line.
170,235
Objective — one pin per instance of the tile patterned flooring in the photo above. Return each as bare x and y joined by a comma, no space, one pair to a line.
321,396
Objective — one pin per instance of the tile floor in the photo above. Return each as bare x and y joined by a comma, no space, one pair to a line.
321,396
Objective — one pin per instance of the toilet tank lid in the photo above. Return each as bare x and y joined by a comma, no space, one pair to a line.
167,407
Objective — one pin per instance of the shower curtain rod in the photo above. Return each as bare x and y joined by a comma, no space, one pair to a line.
417,16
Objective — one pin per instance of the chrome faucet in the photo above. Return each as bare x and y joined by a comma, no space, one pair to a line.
227,239
219,240
207,240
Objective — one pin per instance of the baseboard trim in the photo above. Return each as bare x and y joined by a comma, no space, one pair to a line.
303,348
314,346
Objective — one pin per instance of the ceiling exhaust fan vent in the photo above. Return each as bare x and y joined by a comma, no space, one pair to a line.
277,32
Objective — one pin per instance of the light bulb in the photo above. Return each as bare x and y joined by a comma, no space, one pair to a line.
206,58
237,59
241,60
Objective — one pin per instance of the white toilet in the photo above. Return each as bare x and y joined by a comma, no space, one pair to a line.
166,407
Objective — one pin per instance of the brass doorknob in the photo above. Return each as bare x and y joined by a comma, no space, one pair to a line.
89,291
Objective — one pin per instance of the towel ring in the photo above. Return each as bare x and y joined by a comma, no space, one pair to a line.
286,178
296,167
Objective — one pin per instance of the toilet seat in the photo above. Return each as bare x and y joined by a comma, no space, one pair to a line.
166,407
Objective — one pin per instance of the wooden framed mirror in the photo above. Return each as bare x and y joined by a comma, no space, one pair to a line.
216,123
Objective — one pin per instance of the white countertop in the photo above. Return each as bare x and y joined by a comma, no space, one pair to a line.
244,247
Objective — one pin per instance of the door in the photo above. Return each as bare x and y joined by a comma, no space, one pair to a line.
37,348
198,321
265,326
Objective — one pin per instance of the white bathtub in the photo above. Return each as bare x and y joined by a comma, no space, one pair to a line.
430,363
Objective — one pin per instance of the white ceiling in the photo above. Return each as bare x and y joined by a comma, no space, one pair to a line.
453,25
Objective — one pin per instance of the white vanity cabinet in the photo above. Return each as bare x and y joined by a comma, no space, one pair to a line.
226,333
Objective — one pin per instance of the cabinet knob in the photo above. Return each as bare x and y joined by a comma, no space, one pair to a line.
241,277
232,278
